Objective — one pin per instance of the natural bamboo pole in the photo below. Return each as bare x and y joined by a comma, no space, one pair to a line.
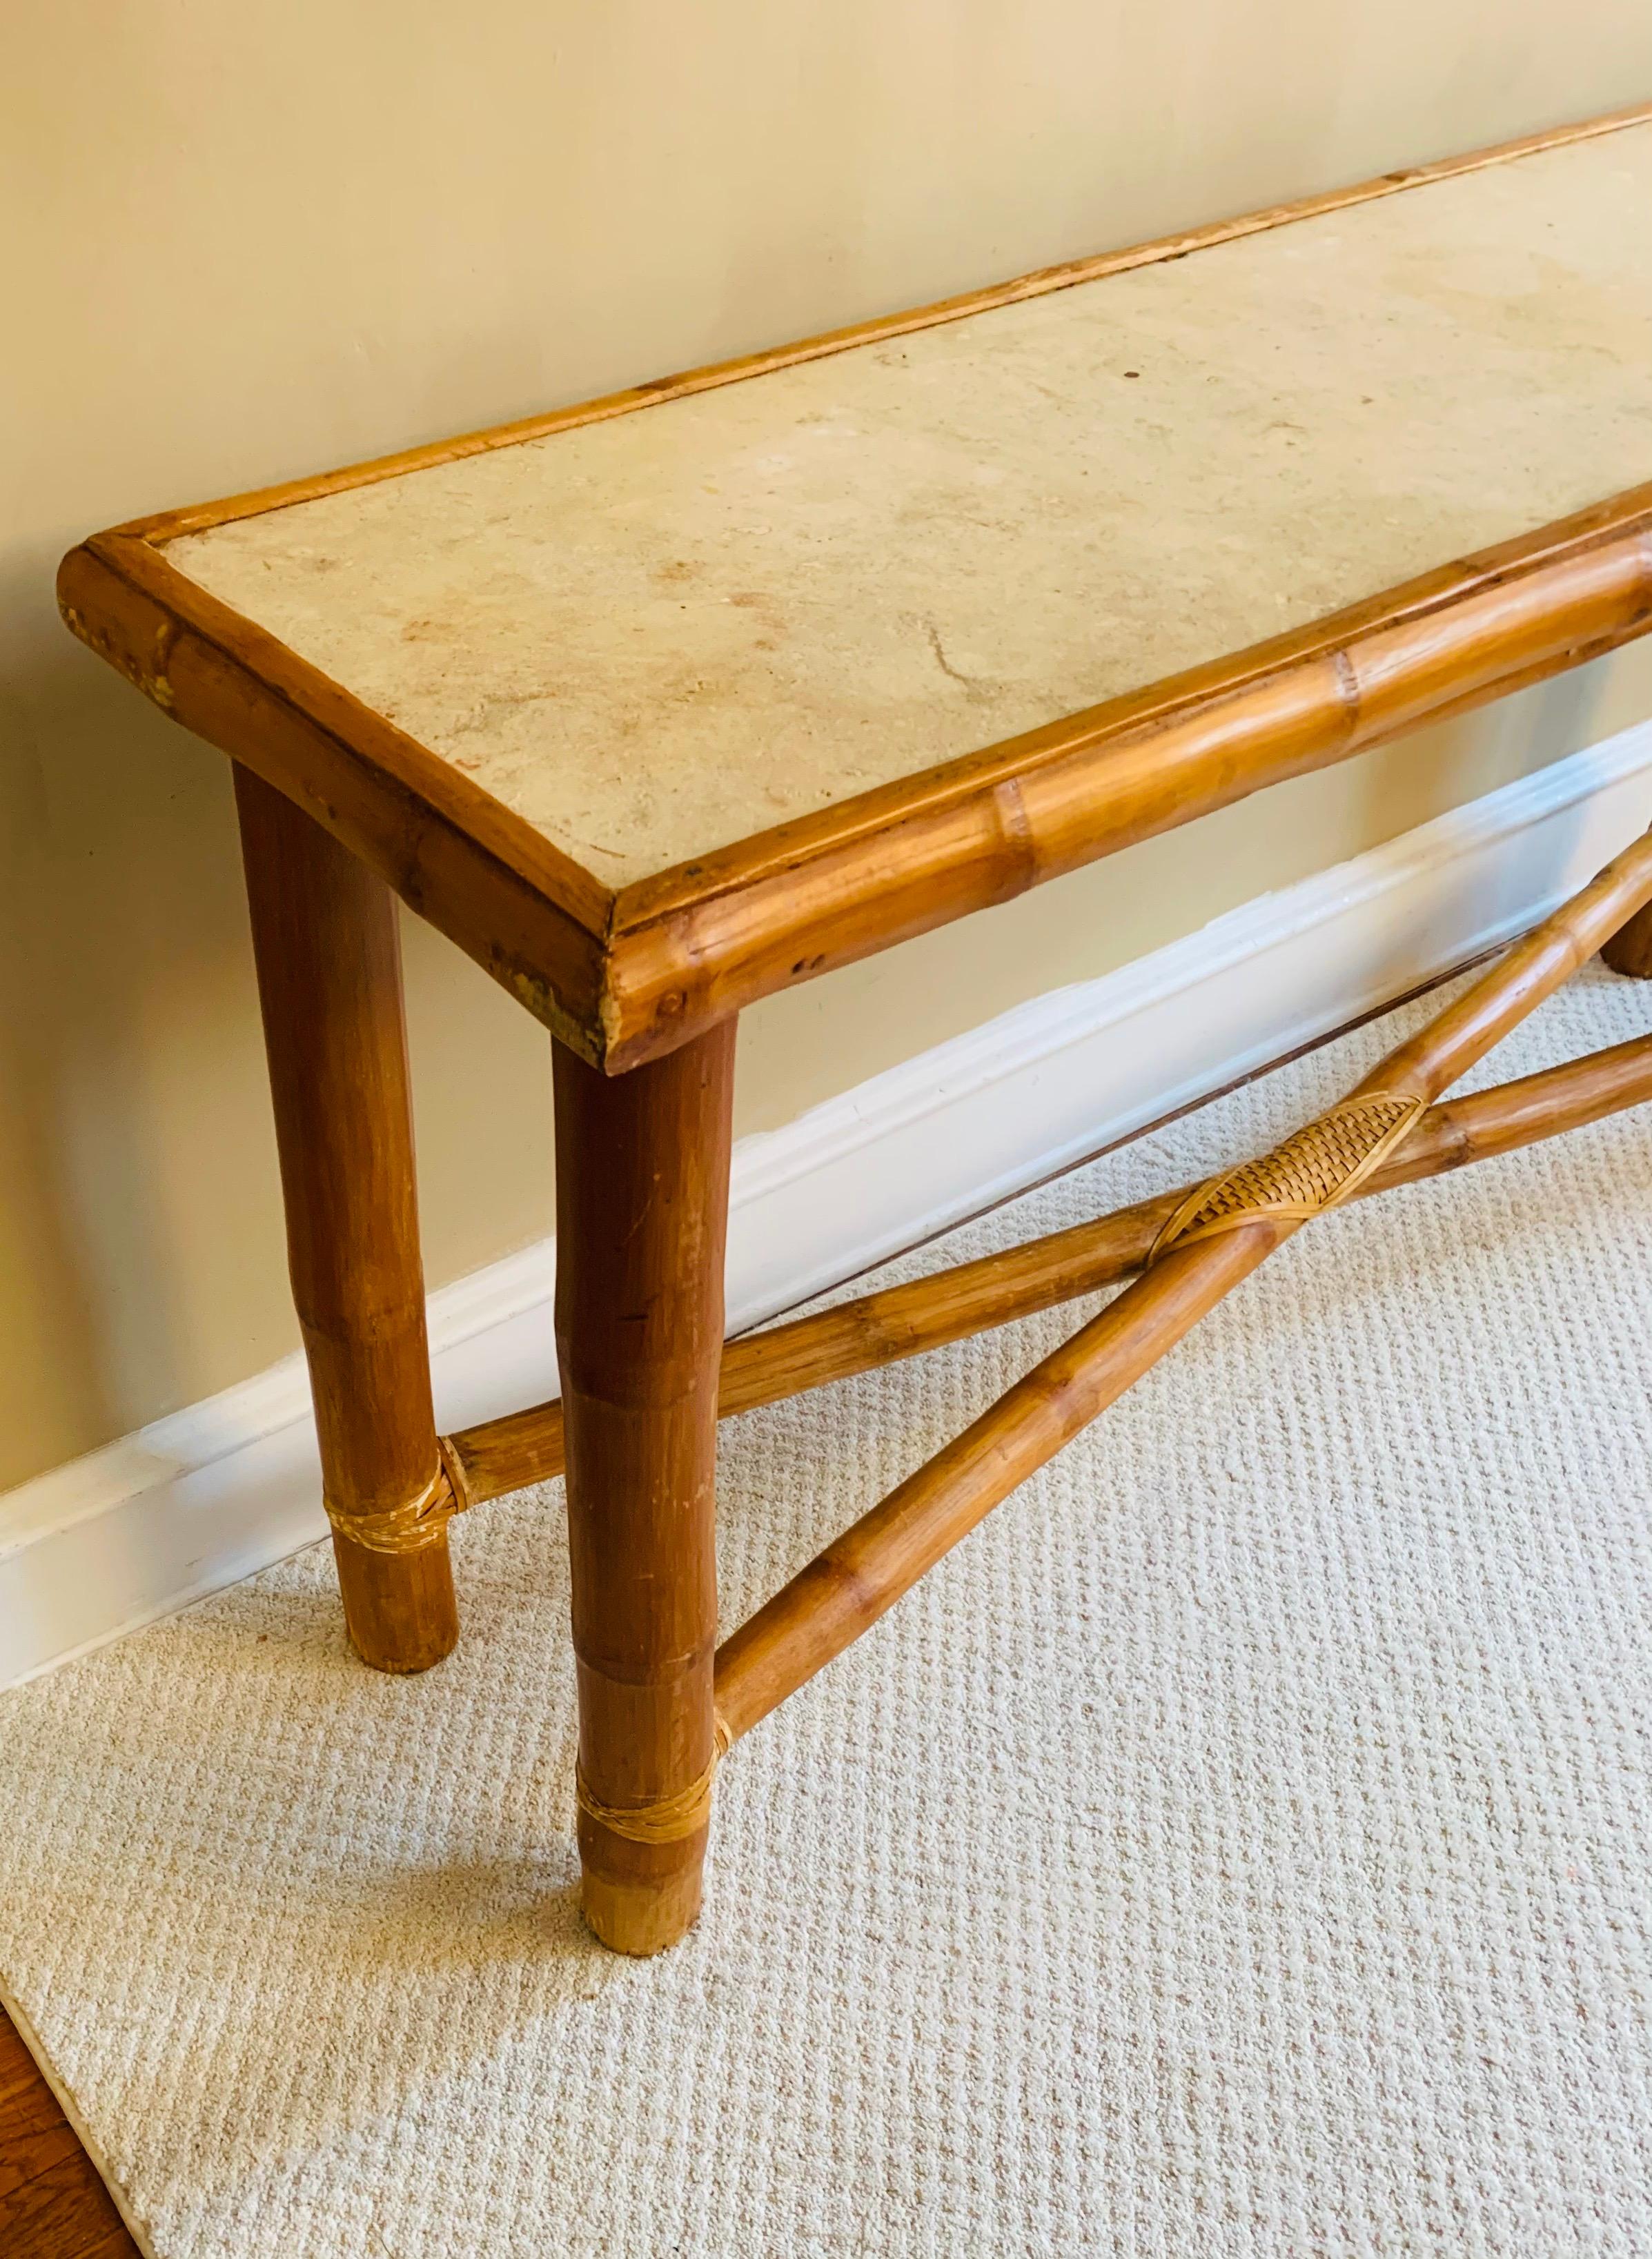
862,1573
503,1455
329,967
641,1204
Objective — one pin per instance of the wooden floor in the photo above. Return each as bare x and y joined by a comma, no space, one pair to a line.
52,2205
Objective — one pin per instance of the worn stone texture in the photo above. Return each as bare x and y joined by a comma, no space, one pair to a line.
658,634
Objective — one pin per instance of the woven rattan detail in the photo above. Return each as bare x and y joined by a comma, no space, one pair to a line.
1313,1171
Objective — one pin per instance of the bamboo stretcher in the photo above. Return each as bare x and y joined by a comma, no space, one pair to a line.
497,1456
1188,1249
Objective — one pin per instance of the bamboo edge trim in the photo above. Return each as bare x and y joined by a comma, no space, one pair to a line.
1083,787
416,1524
1310,1172
368,737
669,1819
622,922
1542,560
670,965
450,852
642,1004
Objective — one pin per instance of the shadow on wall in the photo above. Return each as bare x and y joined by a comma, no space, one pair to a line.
129,1186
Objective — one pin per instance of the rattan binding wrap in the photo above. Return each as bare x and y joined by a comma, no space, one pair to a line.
1316,1168
415,1523
673,1817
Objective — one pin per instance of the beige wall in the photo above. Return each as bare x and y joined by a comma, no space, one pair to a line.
243,243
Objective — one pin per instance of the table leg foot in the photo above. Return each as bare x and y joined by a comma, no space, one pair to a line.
401,1611
642,1200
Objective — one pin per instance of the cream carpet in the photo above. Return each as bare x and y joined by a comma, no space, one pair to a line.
1242,1845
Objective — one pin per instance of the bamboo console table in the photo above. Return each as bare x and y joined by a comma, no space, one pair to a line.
662,703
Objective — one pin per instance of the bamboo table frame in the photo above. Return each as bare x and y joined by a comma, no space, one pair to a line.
641,987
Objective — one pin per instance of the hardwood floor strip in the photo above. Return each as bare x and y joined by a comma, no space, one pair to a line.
52,2204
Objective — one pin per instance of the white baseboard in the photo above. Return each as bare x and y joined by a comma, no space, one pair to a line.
194,1501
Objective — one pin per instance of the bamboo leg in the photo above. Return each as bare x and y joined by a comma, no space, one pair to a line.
642,1200
330,982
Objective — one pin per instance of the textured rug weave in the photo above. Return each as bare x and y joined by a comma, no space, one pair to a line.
1241,1844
